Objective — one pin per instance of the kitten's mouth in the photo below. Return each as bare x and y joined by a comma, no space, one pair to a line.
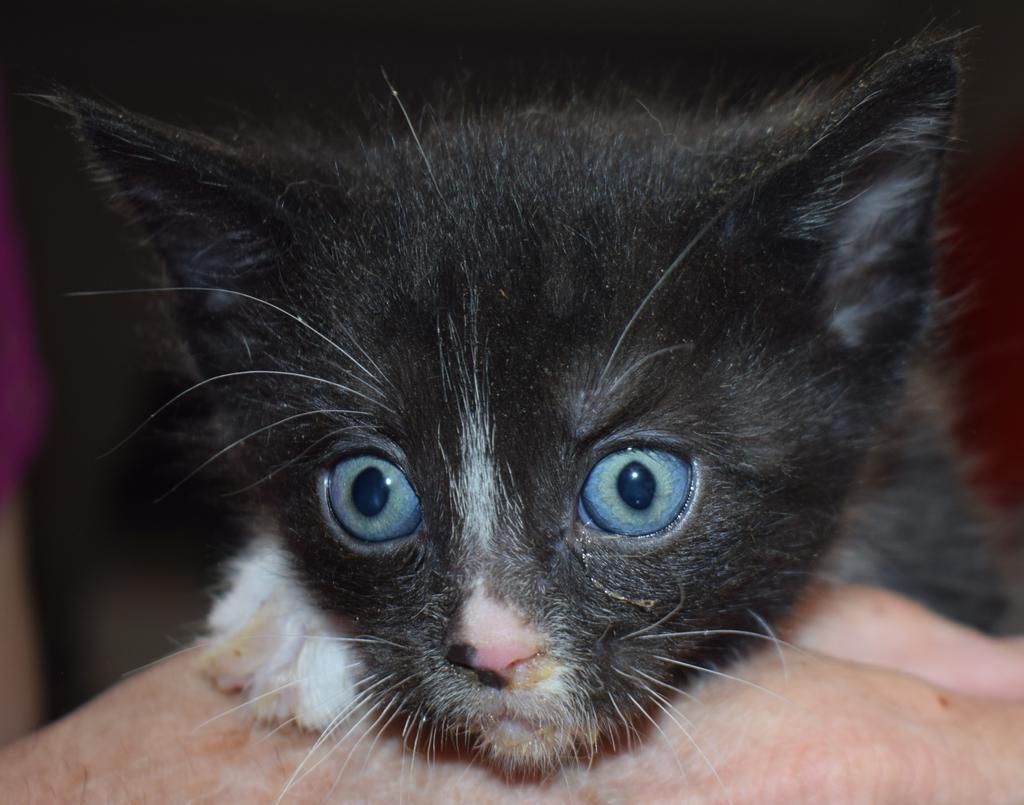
534,737
509,731
527,725
519,742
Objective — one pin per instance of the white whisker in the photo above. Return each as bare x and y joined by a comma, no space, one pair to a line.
351,729
666,685
630,728
689,737
651,691
297,319
241,440
416,139
278,728
371,639
398,711
714,632
290,462
657,726
410,719
264,695
338,695
384,726
242,373
640,362
202,645
675,611
326,733
248,702
679,259
723,675
415,743
775,640
159,660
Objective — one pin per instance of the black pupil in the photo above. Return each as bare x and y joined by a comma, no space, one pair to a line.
370,492
636,485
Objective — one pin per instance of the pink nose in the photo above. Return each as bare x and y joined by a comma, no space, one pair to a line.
498,659
492,639
501,658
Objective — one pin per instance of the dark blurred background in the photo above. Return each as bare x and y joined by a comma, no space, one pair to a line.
120,580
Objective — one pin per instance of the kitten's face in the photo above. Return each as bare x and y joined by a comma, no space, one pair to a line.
568,397
494,391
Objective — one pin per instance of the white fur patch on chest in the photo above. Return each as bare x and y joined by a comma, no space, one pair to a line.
290,660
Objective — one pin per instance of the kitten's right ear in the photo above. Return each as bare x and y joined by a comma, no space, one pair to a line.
856,202
212,214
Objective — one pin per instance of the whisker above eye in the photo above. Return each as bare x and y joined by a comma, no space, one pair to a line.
241,440
633,367
241,373
679,259
285,465
419,144
379,375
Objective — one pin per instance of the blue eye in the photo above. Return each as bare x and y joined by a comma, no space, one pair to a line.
635,491
372,499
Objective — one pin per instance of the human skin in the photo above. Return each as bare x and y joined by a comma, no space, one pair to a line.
803,726
20,694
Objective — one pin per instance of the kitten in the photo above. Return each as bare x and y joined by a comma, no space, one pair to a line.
534,404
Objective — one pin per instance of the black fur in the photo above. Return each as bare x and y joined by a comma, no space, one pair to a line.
787,349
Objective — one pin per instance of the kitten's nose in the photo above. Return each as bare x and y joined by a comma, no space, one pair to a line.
492,665
492,640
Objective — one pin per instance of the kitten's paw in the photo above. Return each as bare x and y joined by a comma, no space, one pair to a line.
268,641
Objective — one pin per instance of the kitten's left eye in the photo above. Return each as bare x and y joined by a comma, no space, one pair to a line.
636,492
372,499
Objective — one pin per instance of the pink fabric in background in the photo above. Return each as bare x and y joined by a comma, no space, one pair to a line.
22,395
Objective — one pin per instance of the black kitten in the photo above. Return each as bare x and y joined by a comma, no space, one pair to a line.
545,402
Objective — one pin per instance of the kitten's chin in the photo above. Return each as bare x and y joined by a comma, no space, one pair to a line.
523,746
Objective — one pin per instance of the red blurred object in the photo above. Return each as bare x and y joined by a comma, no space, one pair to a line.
986,264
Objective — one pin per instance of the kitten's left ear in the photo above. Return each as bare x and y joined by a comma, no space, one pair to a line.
863,191
211,212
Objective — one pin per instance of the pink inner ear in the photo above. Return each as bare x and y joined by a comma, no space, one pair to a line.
499,636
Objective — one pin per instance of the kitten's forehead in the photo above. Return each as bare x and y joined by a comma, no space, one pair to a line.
562,234
515,204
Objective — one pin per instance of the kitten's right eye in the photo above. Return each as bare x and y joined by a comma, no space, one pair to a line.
372,499
636,492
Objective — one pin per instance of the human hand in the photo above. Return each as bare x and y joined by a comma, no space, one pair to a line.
800,727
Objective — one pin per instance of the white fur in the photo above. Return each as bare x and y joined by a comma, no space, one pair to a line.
476,491
269,641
